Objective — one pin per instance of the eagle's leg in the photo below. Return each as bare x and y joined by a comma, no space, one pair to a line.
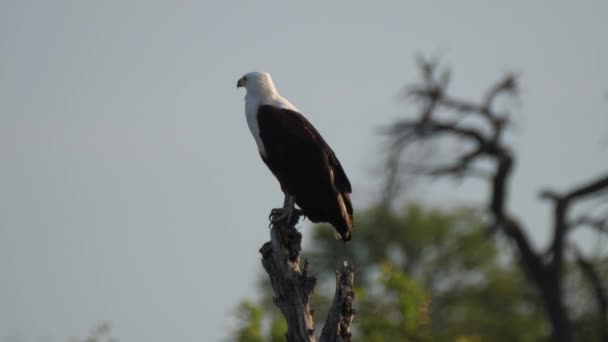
287,212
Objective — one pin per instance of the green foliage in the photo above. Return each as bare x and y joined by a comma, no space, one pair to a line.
278,327
472,295
421,275
250,322
583,304
259,322
398,311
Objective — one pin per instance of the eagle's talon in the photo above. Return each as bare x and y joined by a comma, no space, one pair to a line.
279,215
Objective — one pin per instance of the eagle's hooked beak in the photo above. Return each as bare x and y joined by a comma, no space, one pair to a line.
241,82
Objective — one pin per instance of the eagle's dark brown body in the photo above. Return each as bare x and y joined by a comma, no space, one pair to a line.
306,167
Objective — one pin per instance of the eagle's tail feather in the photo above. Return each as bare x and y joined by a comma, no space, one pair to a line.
344,224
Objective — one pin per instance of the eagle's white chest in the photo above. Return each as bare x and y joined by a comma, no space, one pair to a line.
252,104
251,113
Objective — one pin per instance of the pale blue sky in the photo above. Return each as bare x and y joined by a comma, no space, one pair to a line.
132,191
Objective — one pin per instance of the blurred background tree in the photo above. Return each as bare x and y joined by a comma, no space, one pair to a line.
480,148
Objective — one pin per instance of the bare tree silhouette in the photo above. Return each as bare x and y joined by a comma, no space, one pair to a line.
480,128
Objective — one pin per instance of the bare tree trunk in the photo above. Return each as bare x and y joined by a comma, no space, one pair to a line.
293,288
557,312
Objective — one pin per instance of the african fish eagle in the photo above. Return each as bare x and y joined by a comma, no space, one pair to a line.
306,167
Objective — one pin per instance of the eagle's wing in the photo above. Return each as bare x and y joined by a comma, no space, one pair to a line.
290,126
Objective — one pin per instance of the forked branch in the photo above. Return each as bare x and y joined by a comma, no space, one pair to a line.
293,287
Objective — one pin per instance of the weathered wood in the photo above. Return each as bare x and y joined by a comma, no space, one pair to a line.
293,287
341,313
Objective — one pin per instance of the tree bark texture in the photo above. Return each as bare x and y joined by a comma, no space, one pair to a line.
293,287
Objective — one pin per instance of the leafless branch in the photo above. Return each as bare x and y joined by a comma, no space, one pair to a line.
598,224
562,204
341,313
485,134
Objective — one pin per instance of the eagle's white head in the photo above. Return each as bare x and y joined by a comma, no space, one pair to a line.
261,91
258,84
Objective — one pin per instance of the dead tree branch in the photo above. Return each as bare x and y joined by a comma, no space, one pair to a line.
341,313
483,133
293,287
562,204
598,224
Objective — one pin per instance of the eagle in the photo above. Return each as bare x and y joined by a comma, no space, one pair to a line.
308,171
